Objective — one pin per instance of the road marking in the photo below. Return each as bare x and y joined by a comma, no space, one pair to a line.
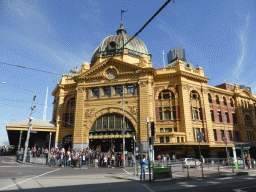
127,171
30,179
147,187
7,162
240,190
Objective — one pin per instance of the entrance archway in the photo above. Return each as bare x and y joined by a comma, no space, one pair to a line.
106,133
67,142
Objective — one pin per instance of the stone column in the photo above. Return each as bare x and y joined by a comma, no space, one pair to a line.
100,92
146,108
79,140
111,91
89,93
135,89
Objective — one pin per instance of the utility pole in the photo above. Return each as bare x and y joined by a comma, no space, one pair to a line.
148,151
124,128
29,128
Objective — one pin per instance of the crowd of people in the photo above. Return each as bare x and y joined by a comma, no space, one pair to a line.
65,158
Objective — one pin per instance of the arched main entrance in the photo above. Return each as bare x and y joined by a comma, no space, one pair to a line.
106,133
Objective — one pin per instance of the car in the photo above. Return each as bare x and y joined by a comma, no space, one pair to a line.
190,162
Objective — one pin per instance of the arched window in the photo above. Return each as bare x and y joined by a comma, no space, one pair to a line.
194,95
242,103
231,103
224,101
217,99
248,121
166,94
72,102
111,122
209,98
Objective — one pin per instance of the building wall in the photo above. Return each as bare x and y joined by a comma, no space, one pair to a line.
151,82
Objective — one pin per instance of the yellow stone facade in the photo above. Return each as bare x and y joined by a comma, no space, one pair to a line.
88,105
188,90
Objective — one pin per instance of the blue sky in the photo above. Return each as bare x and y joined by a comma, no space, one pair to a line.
55,35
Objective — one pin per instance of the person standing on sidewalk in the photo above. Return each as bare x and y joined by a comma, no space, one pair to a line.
247,160
143,163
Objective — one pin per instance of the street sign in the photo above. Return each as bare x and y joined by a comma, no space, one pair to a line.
33,131
200,137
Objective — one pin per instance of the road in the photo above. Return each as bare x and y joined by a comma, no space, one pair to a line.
15,176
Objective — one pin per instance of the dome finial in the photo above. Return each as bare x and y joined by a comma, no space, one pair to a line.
121,30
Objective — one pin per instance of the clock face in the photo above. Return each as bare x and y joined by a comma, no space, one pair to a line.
111,74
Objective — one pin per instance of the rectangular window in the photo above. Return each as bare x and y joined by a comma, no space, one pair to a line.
130,89
106,91
161,130
72,118
182,140
178,139
219,115
168,130
200,114
222,134
167,139
111,121
161,139
212,115
195,113
174,112
234,118
167,113
99,123
118,121
118,90
175,129
95,92
197,131
67,118
215,134
105,122
227,117
160,114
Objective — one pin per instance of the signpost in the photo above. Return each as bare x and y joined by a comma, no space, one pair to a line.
200,137
226,141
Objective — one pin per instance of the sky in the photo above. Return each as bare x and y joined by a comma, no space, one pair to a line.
54,36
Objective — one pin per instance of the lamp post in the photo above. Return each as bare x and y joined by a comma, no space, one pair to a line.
30,118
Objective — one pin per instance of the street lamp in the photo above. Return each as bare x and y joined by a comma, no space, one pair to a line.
30,118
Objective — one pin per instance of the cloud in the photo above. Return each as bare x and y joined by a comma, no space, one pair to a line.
242,35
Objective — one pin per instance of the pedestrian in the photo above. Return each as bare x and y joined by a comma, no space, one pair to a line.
247,160
113,161
143,163
129,160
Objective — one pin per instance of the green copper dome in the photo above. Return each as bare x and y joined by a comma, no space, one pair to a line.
114,45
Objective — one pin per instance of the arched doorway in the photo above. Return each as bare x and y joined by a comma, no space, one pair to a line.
67,142
106,133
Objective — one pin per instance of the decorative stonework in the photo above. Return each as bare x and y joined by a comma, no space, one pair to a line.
144,61
133,110
85,67
88,113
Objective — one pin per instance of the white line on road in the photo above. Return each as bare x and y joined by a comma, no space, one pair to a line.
240,190
127,171
29,179
147,187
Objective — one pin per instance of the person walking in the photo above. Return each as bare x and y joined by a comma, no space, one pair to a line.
143,163
247,160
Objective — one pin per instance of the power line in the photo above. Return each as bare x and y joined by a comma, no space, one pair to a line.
24,67
23,101
159,10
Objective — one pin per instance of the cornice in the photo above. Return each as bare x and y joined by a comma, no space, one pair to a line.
193,76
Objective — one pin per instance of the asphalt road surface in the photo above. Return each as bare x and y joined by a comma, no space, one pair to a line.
16,177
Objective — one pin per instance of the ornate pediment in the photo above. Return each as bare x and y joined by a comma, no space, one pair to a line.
110,69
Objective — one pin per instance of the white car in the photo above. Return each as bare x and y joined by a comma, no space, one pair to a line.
190,162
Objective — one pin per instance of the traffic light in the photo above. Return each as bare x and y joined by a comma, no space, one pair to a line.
152,127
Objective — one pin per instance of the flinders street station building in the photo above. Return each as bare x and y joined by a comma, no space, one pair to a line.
89,105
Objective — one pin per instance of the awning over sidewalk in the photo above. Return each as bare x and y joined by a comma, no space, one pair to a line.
37,125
